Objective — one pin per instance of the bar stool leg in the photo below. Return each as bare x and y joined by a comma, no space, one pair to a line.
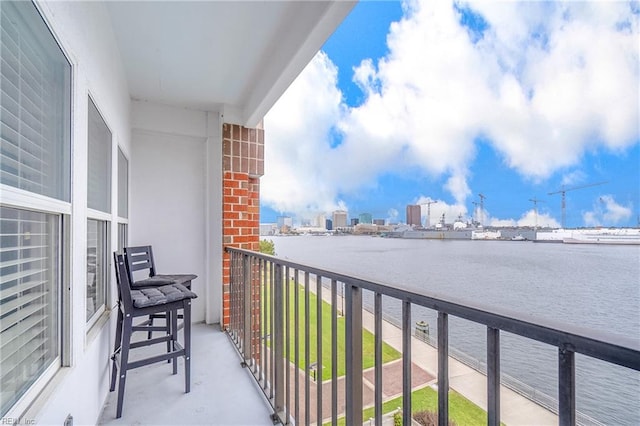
127,330
167,323
174,337
187,346
117,344
151,318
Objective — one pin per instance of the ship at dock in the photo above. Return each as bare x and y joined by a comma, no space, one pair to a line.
611,236
460,230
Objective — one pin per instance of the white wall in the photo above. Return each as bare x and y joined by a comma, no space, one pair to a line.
175,196
84,32
175,188
167,204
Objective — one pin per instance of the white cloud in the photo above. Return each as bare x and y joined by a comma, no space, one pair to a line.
297,148
606,212
573,178
545,84
529,218
502,222
393,216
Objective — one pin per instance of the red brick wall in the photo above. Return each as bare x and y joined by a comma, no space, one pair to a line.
243,164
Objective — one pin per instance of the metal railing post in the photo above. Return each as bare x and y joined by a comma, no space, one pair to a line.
378,358
319,349
307,349
493,376
278,340
248,299
566,387
334,353
353,337
406,362
443,369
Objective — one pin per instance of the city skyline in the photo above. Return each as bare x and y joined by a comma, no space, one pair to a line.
423,101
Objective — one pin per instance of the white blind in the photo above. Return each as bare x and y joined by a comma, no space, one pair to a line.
99,182
35,82
29,294
96,267
123,185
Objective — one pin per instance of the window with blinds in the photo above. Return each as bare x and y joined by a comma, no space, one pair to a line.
29,299
99,168
98,198
35,82
123,185
96,268
35,157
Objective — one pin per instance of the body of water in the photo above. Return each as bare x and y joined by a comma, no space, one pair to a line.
592,286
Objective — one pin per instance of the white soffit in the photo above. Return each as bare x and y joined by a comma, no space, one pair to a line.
236,57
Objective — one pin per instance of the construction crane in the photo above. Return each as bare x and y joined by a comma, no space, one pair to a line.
482,197
535,202
475,208
564,191
428,204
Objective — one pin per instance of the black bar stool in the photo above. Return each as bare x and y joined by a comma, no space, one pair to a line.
132,303
140,258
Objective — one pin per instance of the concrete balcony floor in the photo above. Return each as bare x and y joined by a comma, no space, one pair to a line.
222,392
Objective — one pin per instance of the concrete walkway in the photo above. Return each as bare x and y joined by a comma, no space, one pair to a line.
515,409
391,388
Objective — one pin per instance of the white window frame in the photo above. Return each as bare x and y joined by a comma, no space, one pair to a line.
123,221
16,198
106,219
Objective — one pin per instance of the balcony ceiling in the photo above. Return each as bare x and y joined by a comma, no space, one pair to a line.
233,57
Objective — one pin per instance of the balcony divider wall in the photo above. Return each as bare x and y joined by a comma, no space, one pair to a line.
243,165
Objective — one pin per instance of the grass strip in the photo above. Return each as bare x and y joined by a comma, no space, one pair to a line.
462,411
368,339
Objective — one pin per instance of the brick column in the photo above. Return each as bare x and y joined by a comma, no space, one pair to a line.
242,167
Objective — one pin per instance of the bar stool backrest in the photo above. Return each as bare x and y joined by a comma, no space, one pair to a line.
123,283
139,258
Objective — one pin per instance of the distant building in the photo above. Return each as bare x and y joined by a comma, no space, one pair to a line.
339,219
365,228
268,229
365,218
379,222
285,223
320,221
414,215
354,221
329,224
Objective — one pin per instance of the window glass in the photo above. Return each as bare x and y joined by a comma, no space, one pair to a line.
99,177
123,185
35,98
96,267
29,299
122,236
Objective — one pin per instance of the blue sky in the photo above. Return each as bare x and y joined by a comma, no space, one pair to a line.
439,100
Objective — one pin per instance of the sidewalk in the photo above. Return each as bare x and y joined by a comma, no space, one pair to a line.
391,388
515,409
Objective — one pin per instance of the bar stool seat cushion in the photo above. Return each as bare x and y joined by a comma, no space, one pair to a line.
152,296
160,280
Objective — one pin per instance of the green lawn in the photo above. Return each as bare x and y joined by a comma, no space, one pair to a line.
462,411
388,353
